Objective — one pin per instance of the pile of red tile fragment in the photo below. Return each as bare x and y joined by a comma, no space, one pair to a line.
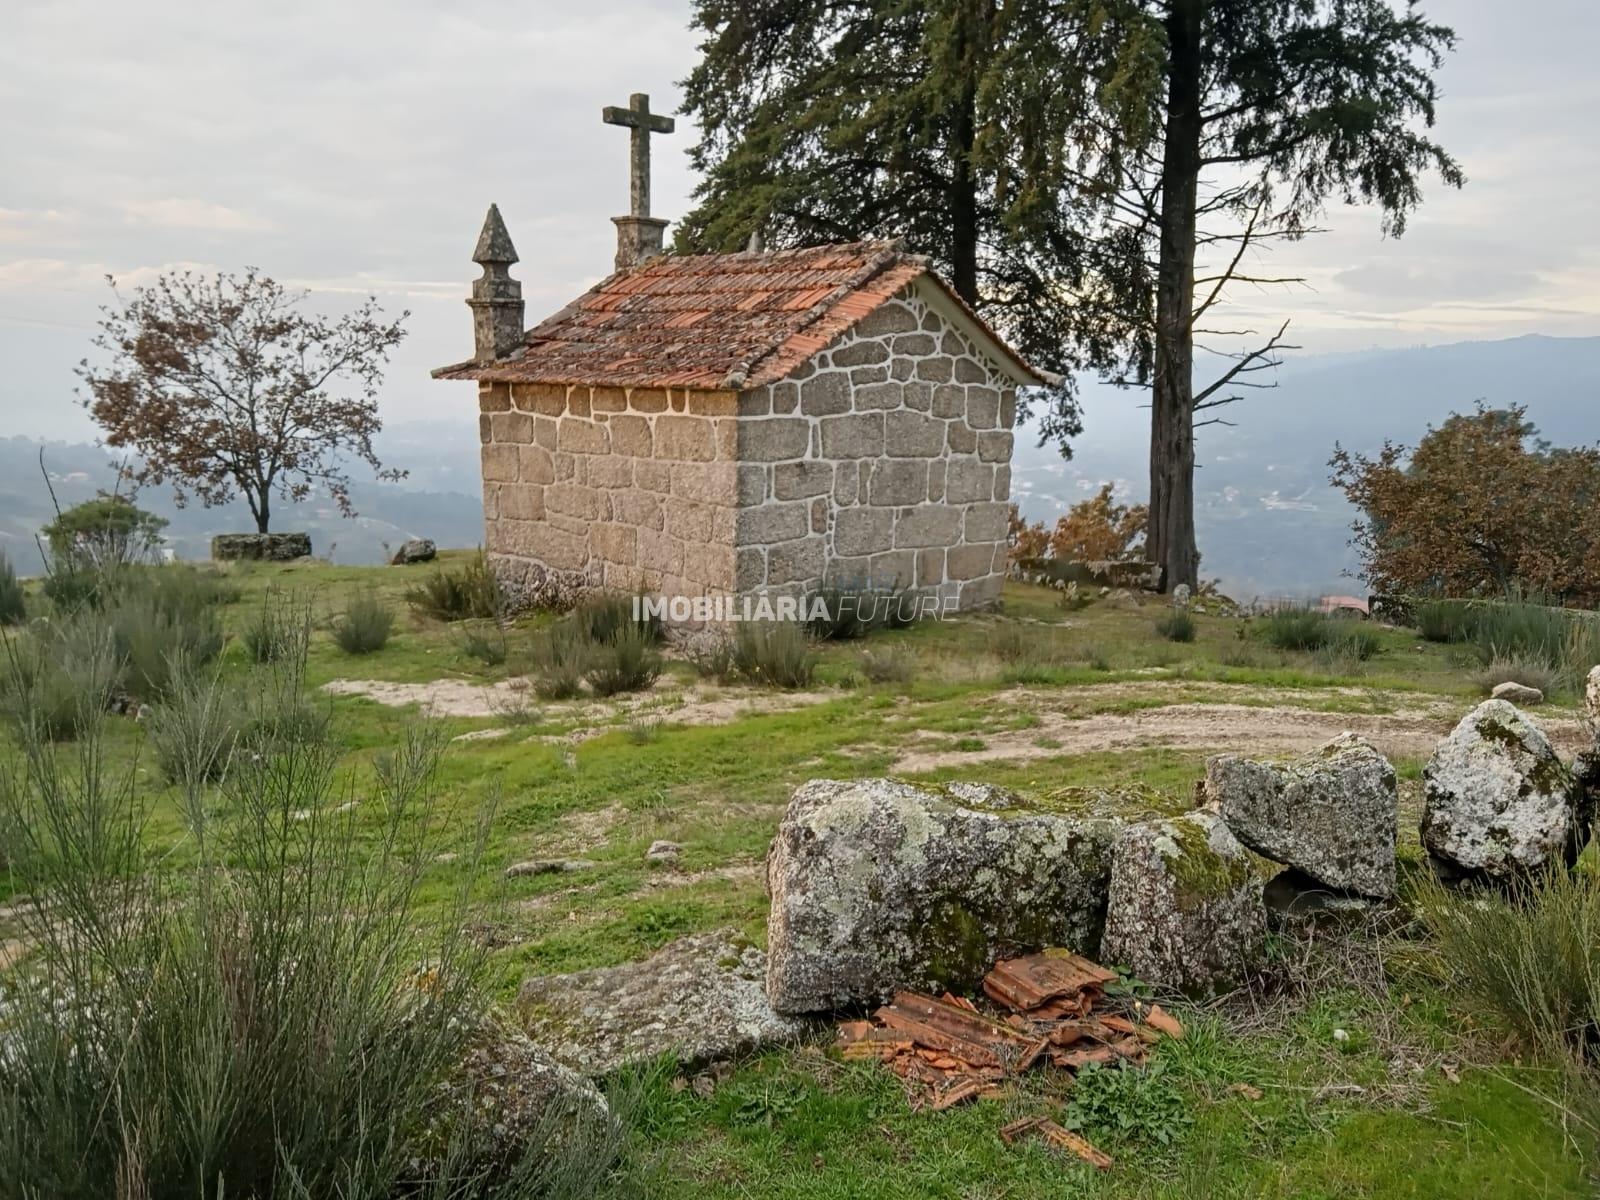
1044,1008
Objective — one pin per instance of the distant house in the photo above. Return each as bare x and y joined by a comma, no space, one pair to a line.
1342,606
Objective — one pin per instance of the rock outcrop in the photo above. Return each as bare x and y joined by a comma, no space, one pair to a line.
414,550
878,885
1331,814
1591,695
261,547
1497,800
1185,908
699,999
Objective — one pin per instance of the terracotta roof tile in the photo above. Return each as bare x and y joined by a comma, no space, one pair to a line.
713,320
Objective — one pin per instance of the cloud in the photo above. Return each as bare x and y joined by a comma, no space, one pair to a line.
197,215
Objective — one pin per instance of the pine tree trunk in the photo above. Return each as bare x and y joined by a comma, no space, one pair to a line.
1172,539
964,197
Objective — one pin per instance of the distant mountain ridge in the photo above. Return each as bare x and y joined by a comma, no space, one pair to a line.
1268,521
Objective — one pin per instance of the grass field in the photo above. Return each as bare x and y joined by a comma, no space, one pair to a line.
1421,1097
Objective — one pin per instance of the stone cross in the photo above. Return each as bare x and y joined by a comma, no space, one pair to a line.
641,123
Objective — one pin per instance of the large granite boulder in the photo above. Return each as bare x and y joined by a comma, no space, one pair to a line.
1497,800
699,999
1332,813
1185,909
878,885
260,547
414,550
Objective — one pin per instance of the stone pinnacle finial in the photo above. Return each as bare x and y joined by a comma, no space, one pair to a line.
496,301
494,242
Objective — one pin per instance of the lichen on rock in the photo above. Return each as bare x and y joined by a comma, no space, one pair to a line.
878,885
1185,908
699,999
1331,813
1497,800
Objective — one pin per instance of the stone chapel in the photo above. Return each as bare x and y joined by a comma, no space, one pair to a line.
730,424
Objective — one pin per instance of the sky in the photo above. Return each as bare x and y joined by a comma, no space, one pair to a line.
352,148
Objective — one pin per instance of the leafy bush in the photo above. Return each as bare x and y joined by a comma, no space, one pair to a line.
1112,1105
364,626
102,534
202,1029
13,604
776,653
560,658
627,662
894,664
1531,959
1296,629
458,593
1176,626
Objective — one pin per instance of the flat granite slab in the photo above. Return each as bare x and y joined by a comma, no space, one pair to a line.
701,999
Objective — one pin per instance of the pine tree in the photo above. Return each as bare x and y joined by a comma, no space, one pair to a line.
1267,110
826,122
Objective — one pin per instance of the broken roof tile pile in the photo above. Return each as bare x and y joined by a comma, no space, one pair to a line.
707,321
1048,1008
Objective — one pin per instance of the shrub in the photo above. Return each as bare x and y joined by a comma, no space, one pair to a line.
511,704
58,679
1353,639
203,1029
711,654
154,632
457,593
193,732
776,653
602,616
486,642
13,604
895,664
73,591
1010,643
1445,620
627,662
1521,629
102,534
1176,626
560,658
844,614
271,633
1528,672
1295,629
363,627
1531,959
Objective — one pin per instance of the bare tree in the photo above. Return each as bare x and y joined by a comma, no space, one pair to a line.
225,386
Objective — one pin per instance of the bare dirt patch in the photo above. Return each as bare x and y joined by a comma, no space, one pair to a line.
668,701
1239,728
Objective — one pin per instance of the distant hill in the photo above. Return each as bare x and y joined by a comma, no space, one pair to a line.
389,513
1268,522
